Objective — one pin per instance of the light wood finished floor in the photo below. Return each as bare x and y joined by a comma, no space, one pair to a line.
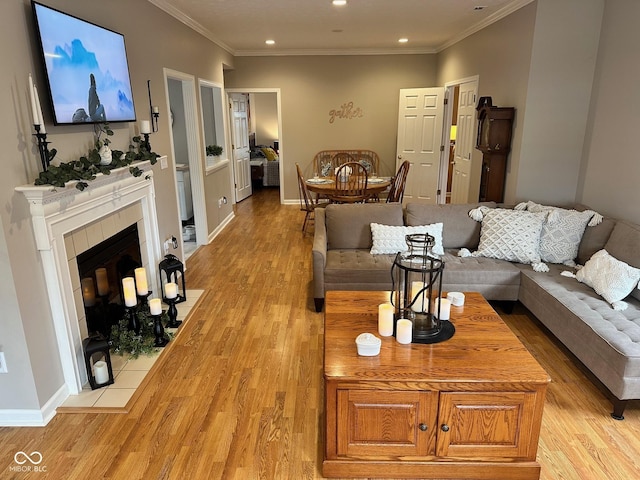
242,395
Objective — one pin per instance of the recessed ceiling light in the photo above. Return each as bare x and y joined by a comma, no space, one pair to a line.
403,40
270,42
339,3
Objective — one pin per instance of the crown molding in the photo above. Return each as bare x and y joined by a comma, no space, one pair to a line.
191,23
498,15
342,51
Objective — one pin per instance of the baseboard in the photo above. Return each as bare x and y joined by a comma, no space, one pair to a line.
221,227
34,418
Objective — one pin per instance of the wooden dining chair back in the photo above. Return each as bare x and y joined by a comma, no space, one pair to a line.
307,203
341,158
398,183
351,184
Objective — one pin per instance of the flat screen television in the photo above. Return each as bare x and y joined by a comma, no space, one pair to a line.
86,68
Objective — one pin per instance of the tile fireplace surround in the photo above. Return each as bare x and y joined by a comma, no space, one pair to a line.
67,222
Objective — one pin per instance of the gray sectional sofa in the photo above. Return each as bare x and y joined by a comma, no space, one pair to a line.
606,341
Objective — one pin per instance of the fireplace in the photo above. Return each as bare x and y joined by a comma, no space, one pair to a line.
67,224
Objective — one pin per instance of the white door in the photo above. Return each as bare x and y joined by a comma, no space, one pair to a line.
420,121
465,142
240,134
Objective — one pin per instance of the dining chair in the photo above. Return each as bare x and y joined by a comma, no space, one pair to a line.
341,158
307,203
351,184
398,182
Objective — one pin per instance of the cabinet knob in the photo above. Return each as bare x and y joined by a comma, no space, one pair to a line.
423,427
444,427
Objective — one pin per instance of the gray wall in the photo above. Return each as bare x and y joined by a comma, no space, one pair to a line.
313,86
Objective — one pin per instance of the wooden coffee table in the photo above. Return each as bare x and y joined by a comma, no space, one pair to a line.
469,407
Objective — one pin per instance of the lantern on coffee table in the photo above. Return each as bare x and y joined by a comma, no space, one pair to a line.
417,288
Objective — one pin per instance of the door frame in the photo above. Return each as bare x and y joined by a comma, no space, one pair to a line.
277,91
448,121
194,152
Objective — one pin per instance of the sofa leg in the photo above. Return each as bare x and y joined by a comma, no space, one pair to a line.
319,303
618,409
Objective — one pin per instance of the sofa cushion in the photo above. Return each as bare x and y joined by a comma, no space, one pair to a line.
594,238
392,238
349,226
624,244
459,230
351,268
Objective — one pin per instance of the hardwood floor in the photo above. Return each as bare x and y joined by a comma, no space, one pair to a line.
241,395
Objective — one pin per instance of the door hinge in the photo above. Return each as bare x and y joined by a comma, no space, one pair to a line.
439,192
446,101
442,148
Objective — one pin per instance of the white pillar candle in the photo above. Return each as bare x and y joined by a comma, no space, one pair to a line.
101,372
419,305
404,329
141,281
145,126
129,290
32,95
88,292
171,290
156,110
385,319
39,109
445,308
103,281
155,306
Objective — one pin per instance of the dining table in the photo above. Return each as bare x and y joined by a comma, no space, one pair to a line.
326,186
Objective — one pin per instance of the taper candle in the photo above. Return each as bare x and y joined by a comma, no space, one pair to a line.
39,108
32,95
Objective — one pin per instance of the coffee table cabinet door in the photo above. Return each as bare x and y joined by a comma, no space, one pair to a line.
374,423
492,425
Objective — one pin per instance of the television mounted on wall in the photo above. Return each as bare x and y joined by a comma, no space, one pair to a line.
86,68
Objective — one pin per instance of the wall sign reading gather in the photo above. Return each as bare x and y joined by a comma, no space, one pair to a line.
346,111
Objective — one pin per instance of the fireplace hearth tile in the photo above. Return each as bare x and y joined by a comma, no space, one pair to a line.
115,397
129,379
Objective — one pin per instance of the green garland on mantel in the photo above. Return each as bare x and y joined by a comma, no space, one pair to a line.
87,167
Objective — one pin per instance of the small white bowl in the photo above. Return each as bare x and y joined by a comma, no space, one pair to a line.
368,345
456,298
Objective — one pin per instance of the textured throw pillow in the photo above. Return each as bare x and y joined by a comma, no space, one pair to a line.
562,232
610,278
391,239
510,235
270,153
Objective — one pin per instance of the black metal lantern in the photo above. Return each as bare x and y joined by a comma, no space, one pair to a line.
173,270
416,277
97,361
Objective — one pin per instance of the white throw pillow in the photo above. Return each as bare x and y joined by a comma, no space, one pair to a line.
511,235
391,239
609,277
562,232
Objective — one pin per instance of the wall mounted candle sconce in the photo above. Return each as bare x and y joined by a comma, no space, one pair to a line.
153,110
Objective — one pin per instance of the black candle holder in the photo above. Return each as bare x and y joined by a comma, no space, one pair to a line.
142,300
42,147
134,322
158,331
146,142
172,312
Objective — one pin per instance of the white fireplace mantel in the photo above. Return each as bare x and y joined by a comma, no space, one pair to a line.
55,213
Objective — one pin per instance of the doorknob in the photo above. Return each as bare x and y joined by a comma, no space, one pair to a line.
399,157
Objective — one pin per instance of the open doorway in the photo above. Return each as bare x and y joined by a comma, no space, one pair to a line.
264,137
181,96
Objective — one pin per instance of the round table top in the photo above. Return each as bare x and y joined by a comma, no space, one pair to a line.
327,185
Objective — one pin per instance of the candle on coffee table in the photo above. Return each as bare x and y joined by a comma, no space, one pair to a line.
404,329
385,319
